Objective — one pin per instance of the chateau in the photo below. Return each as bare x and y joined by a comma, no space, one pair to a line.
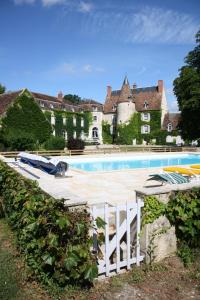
149,104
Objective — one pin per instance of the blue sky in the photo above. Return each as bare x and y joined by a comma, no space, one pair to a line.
81,46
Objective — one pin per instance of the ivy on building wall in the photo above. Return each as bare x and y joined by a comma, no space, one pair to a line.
75,122
106,134
126,133
26,117
154,123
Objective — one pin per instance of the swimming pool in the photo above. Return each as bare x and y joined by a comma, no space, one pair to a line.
132,162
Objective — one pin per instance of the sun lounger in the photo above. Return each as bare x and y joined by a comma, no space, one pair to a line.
171,178
180,170
51,166
195,166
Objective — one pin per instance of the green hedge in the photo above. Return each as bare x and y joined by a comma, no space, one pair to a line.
55,143
54,240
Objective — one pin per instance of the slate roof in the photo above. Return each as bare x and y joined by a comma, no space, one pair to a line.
138,96
48,102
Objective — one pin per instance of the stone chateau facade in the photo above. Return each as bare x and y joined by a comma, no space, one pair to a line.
118,108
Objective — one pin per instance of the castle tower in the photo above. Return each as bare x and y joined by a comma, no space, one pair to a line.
125,93
126,105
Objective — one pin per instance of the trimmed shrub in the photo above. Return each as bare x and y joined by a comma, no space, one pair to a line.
20,141
54,240
55,143
75,144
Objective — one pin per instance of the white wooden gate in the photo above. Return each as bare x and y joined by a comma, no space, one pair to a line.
121,247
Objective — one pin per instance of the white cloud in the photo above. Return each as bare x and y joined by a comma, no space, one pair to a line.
70,68
66,68
142,70
155,24
85,7
52,2
18,2
87,68
173,106
146,25
169,91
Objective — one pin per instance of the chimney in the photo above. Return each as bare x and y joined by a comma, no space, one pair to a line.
60,96
134,86
160,86
109,90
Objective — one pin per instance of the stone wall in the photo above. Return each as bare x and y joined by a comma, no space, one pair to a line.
164,244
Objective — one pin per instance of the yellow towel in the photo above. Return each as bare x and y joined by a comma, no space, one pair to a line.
195,166
186,171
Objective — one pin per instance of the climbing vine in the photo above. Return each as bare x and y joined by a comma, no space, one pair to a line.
152,210
126,133
106,134
75,122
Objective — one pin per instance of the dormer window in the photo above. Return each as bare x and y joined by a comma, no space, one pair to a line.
41,104
169,127
146,104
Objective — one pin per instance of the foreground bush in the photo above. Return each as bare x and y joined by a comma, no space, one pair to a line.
55,143
20,141
183,212
54,240
75,144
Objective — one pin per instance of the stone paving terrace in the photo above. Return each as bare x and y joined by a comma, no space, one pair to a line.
94,187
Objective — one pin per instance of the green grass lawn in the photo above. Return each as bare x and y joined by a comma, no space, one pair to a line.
14,277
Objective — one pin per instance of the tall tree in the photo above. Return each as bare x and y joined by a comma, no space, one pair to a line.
74,99
2,89
187,91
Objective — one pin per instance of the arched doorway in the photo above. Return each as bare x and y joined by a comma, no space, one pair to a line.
95,133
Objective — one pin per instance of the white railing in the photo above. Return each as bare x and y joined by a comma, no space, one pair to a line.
121,246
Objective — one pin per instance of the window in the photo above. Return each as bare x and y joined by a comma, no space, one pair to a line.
65,134
53,120
51,106
146,104
145,129
145,117
64,120
74,121
94,108
94,118
114,119
82,122
82,135
41,104
74,135
95,133
169,127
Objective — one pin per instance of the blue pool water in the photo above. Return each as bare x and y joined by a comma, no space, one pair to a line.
120,163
